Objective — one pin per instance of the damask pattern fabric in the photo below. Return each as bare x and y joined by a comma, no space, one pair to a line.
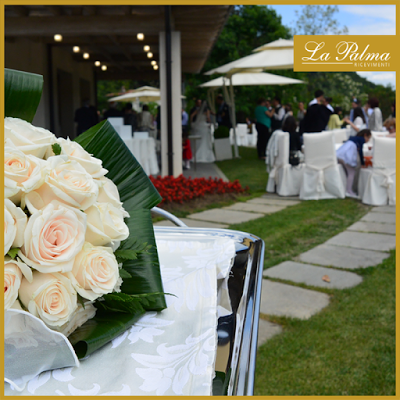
167,353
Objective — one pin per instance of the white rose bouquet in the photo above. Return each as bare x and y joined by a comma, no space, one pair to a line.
78,238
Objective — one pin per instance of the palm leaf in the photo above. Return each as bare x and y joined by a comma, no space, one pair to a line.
22,93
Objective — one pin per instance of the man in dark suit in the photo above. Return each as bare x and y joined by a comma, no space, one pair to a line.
317,116
85,117
223,112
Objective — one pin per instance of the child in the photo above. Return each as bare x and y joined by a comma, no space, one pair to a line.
187,151
347,155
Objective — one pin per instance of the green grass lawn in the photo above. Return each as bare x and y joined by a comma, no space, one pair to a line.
349,347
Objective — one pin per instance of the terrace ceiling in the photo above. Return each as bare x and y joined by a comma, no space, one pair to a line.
108,33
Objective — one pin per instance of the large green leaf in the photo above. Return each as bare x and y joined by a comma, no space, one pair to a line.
22,93
138,195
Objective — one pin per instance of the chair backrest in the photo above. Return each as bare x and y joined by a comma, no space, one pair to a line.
125,131
384,152
283,149
340,135
141,135
116,121
319,149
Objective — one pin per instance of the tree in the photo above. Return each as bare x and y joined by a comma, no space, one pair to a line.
318,20
247,27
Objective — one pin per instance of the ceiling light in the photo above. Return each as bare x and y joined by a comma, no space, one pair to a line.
140,36
58,37
76,49
155,66
97,63
104,67
146,48
153,62
149,55
86,56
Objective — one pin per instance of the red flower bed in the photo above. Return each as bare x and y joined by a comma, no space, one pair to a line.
182,189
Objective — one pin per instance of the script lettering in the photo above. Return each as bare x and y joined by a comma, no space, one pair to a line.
314,47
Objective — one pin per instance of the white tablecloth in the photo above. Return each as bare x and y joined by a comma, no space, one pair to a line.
144,151
168,353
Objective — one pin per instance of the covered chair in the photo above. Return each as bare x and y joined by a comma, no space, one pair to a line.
323,177
377,185
285,177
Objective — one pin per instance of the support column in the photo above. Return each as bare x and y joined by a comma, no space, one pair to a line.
176,83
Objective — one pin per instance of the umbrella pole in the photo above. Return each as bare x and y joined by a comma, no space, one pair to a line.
233,118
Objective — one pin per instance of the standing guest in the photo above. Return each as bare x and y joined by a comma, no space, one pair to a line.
355,104
194,110
301,113
130,117
147,122
359,121
375,119
112,111
328,101
223,117
315,119
279,114
347,155
85,117
334,120
263,125
290,125
185,121
187,154
288,112
394,109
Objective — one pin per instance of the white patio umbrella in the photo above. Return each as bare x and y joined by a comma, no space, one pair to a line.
276,55
145,96
251,78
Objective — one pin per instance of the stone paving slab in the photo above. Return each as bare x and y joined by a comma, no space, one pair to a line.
267,330
224,216
276,196
273,201
252,207
385,209
383,218
192,223
343,257
312,275
376,227
361,240
291,301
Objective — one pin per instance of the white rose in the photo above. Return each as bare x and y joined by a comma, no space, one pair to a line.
13,271
78,318
15,221
67,182
50,297
77,153
108,193
53,237
105,225
95,272
28,138
22,173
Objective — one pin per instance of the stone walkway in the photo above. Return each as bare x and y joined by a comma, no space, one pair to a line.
364,244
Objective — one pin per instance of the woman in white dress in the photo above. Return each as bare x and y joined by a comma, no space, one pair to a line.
359,121
200,119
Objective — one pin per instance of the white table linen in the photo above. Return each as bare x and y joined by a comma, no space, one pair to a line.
144,150
168,353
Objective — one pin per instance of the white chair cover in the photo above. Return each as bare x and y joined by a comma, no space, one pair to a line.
284,176
377,185
322,178
241,134
340,135
116,121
